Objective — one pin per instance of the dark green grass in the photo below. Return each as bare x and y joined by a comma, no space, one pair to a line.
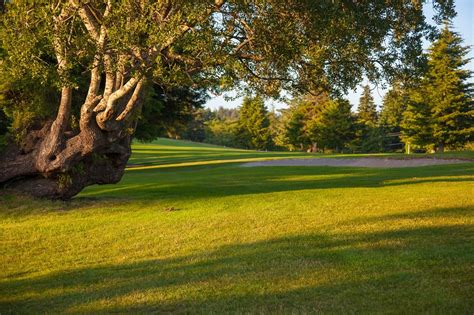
218,238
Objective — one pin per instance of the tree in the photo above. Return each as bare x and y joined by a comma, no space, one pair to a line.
318,122
394,105
367,110
440,109
336,125
222,132
167,112
254,124
448,91
369,135
99,56
195,130
299,122
416,125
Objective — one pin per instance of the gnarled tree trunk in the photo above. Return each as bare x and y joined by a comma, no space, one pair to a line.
56,163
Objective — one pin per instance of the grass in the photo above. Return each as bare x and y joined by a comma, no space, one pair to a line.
198,237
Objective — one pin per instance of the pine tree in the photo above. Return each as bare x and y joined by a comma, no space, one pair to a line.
254,125
441,110
293,133
368,135
416,125
448,91
336,125
367,111
395,103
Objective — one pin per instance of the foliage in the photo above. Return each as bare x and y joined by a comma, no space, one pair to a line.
335,128
449,92
254,125
223,132
441,109
168,111
417,124
318,122
367,110
214,44
369,135
391,115
291,130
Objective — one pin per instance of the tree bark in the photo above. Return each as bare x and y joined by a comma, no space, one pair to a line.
85,159
56,163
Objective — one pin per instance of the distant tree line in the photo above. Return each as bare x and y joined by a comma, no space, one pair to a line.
426,114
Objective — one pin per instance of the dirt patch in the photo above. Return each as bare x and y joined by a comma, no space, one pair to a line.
357,162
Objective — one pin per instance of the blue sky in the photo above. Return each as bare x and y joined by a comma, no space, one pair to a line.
463,24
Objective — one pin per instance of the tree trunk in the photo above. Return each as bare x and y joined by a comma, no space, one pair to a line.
85,159
56,163
440,148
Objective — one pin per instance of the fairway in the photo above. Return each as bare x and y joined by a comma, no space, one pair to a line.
188,230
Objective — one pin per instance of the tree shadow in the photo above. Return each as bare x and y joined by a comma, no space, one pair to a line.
421,269
203,182
221,181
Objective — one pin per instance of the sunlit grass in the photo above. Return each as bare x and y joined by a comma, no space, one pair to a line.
219,238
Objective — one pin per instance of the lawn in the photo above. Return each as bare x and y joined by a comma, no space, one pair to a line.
188,230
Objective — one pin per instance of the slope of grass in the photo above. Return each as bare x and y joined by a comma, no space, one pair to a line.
218,238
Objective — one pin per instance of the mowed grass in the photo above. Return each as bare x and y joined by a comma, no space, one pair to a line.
197,237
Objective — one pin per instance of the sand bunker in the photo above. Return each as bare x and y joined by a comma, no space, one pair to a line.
356,162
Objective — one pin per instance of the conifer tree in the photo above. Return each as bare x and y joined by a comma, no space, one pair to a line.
336,125
417,125
369,137
254,125
449,92
367,111
441,110
293,130
394,104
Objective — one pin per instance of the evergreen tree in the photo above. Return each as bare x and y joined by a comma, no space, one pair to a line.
416,125
336,125
367,111
301,127
294,136
369,137
318,122
395,103
440,110
449,92
254,125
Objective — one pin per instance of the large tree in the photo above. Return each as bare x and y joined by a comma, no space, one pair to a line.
441,108
448,91
98,57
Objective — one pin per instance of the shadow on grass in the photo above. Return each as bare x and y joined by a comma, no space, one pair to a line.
204,182
424,269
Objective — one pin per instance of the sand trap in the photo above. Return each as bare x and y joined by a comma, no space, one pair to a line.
356,162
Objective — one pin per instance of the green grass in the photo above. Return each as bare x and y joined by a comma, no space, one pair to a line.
198,237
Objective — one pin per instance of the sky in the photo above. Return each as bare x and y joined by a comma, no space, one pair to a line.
463,23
